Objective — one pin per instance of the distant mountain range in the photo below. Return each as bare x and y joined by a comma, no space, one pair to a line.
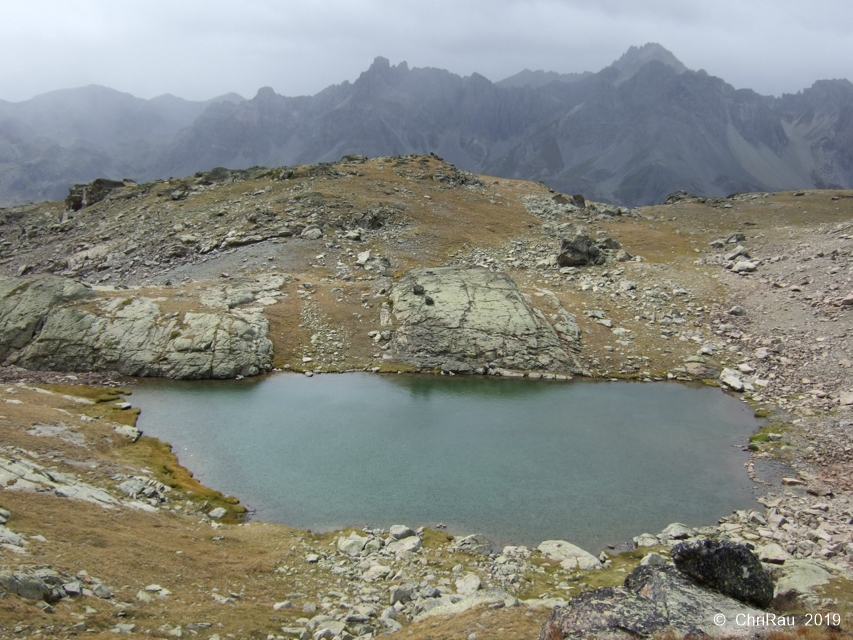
630,134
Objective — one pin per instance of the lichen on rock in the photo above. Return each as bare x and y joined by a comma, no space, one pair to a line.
43,330
462,319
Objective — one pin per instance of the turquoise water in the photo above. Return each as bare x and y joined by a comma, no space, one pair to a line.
520,461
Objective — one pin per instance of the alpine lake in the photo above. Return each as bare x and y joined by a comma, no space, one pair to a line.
517,460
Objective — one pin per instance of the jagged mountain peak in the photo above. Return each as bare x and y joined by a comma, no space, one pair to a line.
635,58
265,93
382,67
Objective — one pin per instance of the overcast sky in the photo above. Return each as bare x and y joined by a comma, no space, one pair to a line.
198,49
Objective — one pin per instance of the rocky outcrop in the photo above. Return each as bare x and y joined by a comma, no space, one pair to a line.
43,329
87,194
580,249
468,319
653,600
25,303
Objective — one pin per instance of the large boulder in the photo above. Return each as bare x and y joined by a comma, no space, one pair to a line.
579,250
654,600
25,303
731,569
42,328
86,194
459,318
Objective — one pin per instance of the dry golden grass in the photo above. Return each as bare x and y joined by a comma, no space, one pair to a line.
487,624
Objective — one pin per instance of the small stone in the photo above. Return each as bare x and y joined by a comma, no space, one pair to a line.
143,596
772,553
400,594
738,252
653,559
352,545
744,266
400,531
570,556
376,572
474,543
410,544
646,540
468,584
102,591
677,531
731,379
217,513
737,310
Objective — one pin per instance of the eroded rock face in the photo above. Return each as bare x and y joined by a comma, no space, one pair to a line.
45,330
462,319
25,302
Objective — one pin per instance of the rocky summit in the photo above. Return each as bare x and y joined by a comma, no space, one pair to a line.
407,263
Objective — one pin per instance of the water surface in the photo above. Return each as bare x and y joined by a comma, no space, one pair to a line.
519,460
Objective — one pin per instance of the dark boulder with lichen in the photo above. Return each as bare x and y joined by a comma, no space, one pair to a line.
729,568
579,249
653,601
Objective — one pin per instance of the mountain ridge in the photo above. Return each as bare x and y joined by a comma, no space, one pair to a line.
638,129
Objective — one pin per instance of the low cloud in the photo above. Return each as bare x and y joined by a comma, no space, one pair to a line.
200,49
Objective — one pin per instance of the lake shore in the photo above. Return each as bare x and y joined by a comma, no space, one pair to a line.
776,331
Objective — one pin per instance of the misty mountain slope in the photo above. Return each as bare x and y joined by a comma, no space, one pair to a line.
388,110
820,122
637,130
654,133
72,135
536,79
630,134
